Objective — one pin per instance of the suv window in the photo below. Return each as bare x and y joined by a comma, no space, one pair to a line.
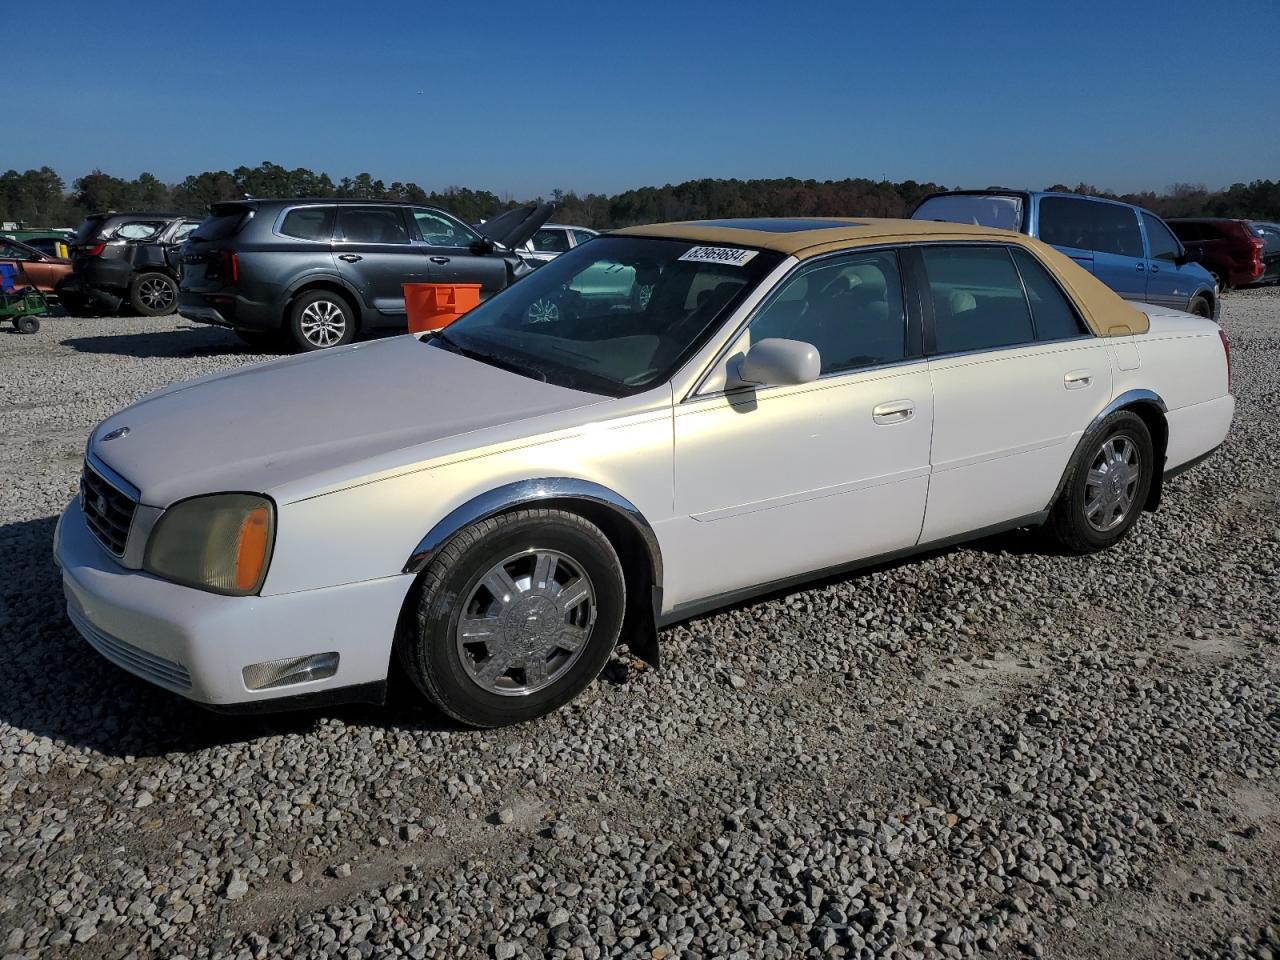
139,229
1055,317
582,236
1162,243
372,225
551,241
184,230
307,223
1066,222
978,301
849,308
1116,230
440,231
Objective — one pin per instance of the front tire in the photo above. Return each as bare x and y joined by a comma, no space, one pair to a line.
516,615
1201,307
319,320
1107,487
153,294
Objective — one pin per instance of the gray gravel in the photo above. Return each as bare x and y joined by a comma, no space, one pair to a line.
989,749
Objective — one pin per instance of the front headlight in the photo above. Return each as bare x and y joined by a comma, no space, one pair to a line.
219,543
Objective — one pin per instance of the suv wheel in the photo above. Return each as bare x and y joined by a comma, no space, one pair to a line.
319,320
1201,308
516,616
1107,487
153,294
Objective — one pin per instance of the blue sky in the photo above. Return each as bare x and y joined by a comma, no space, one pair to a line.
526,97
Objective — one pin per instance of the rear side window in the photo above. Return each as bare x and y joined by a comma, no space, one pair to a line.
1116,230
138,229
582,236
305,223
1055,317
88,230
551,241
1066,222
1162,243
372,225
1186,232
978,302
221,224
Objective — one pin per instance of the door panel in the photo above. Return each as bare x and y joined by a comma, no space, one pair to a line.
450,249
787,480
1167,283
1005,425
373,254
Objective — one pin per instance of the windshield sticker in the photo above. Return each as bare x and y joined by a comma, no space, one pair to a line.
732,256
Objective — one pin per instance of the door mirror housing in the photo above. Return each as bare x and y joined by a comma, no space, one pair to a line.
482,246
778,362
1186,256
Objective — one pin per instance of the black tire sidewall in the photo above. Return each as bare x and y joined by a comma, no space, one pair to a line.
436,654
295,320
135,299
1122,423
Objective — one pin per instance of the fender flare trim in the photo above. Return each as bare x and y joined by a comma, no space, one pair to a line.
532,492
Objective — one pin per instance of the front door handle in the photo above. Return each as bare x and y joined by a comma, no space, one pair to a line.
1077,379
439,259
895,411
1140,267
350,257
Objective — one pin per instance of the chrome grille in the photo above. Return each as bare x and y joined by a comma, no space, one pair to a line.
108,511
165,673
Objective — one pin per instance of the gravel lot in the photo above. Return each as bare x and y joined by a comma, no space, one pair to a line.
988,749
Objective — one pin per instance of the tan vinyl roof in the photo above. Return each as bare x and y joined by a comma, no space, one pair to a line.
1105,313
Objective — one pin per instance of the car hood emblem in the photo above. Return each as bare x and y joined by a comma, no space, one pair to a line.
116,434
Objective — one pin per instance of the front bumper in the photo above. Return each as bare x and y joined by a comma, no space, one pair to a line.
197,644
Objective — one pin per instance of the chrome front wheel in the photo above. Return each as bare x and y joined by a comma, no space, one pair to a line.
526,622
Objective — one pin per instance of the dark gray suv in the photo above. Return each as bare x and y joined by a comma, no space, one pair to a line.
314,273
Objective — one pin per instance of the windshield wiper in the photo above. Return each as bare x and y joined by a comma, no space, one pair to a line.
492,359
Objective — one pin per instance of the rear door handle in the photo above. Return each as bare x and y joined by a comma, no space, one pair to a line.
350,257
1077,379
895,411
439,259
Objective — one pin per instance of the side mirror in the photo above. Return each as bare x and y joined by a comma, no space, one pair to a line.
778,362
1186,256
482,247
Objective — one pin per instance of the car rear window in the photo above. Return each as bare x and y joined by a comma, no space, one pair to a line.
222,223
984,210
309,223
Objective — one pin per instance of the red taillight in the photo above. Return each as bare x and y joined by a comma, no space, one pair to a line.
1257,257
230,267
1226,349
96,250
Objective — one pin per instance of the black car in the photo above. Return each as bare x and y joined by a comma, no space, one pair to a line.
120,258
315,273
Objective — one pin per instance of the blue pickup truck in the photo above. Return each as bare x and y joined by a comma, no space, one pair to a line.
1129,249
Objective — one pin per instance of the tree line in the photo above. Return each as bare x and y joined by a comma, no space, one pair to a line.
41,197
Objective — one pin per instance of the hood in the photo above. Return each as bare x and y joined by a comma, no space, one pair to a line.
301,425
513,228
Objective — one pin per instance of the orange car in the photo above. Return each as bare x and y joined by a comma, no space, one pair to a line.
43,271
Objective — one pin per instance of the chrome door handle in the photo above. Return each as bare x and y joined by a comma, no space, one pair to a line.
1077,379
350,257
439,259
1140,268
895,411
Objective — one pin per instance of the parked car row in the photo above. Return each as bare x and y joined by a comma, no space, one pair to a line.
715,410
126,257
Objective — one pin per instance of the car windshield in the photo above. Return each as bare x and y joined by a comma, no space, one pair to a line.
615,316
983,210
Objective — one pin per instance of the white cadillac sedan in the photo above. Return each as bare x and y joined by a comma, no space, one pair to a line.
744,404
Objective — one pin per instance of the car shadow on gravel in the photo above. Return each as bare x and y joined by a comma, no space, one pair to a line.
187,342
55,685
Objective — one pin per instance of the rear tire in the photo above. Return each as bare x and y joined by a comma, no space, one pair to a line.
1107,487
489,656
319,320
153,294
1201,307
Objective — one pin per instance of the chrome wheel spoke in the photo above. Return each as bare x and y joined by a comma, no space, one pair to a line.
477,628
573,594
493,668
572,637
535,671
544,571
500,585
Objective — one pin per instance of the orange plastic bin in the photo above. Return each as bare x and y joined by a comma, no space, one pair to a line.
431,306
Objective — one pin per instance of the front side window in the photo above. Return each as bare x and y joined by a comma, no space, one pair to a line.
1055,317
551,241
1116,230
849,308
305,223
616,316
1162,243
372,225
977,297
440,231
